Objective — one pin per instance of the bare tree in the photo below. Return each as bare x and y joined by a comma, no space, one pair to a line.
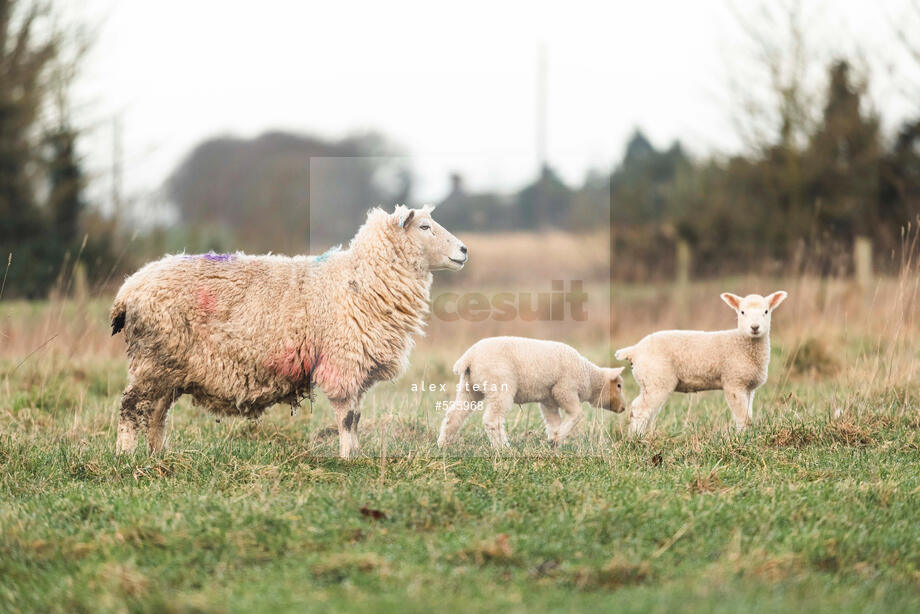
775,87
907,30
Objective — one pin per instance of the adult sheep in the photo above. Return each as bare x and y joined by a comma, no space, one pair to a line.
240,333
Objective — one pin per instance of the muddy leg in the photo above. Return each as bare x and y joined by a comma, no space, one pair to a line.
130,419
156,423
346,419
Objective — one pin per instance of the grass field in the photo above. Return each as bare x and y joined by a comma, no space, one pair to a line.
816,507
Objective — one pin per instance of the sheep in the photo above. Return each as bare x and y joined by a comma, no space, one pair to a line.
240,333
498,371
734,361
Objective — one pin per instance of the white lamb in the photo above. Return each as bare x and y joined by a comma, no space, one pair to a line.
691,361
499,371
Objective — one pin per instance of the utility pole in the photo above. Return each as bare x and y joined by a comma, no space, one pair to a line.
117,159
541,139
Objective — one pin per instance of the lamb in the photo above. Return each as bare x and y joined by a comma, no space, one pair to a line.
498,371
733,360
241,333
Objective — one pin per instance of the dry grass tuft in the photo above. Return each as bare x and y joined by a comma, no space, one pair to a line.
852,433
811,357
496,550
708,483
340,566
617,573
776,568
124,578
795,436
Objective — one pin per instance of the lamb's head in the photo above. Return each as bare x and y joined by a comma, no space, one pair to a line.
438,248
754,311
612,397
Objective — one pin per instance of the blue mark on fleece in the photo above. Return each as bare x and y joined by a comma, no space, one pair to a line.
211,256
218,257
325,255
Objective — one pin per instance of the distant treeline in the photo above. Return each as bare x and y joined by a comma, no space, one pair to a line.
790,204
794,200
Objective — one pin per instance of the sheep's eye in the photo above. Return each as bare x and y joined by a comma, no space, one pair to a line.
619,385
765,311
425,227
742,312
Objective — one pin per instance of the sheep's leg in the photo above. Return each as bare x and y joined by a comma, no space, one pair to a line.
156,423
740,401
346,418
551,419
493,420
644,409
130,417
573,415
458,412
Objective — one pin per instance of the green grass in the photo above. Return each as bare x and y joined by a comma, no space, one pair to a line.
804,511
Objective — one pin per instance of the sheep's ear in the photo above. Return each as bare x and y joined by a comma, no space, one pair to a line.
732,300
615,372
776,298
408,219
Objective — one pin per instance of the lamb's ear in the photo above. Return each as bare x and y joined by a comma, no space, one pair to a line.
615,372
408,219
732,300
776,298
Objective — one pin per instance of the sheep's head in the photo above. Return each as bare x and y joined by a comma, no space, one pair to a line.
438,248
612,393
754,311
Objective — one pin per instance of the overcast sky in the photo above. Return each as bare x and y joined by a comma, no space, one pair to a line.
454,83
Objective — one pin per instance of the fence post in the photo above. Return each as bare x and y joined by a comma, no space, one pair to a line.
862,261
684,261
80,286
682,279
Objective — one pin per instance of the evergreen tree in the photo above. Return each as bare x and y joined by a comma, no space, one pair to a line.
843,160
547,202
66,183
24,57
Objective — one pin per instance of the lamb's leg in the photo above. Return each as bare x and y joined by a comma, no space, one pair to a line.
346,418
551,419
571,406
644,409
156,423
493,419
740,402
459,410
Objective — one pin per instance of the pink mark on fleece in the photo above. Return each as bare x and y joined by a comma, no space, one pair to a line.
331,380
299,364
294,364
206,300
